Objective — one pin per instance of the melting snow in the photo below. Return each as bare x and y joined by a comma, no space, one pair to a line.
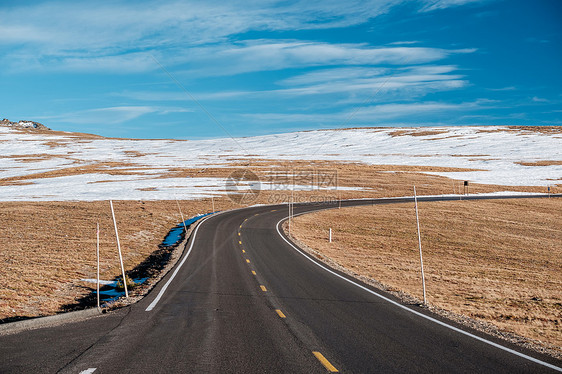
496,155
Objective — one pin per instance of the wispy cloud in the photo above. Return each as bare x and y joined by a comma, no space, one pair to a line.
111,115
353,84
107,35
268,55
431,5
537,99
383,114
508,88
425,78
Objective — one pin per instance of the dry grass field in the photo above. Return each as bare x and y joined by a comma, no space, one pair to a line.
47,247
494,261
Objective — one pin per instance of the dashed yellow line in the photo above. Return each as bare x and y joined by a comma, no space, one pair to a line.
239,241
248,261
263,288
238,234
274,210
253,272
280,313
325,362
243,251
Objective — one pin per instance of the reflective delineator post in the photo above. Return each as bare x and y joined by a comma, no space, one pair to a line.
419,242
289,206
98,260
330,234
181,214
119,249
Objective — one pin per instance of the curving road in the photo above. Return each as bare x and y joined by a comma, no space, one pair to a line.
243,299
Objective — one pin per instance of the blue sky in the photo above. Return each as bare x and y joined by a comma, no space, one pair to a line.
132,69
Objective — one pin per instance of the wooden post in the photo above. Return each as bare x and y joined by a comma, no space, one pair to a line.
119,249
419,242
98,261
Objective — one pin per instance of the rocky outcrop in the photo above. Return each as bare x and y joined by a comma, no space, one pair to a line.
24,124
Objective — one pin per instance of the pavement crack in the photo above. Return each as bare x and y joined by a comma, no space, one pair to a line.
94,343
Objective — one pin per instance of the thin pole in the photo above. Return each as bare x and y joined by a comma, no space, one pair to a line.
98,257
419,242
182,220
330,234
119,248
289,206
293,202
181,214
213,201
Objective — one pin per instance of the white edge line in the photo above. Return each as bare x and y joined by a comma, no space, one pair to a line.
161,293
416,312
89,371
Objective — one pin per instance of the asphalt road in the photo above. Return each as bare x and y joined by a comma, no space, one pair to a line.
244,300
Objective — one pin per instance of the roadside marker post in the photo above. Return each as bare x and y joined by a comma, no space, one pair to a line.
213,202
330,234
419,243
181,214
289,206
119,249
98,260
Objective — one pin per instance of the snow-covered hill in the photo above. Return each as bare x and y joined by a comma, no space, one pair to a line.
505,156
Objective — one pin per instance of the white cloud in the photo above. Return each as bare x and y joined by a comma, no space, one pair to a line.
431,5
410,109
375,114
104,28
508,88
349,84
105,35
537,99
407,42
125,64
267,55
111,115
331,75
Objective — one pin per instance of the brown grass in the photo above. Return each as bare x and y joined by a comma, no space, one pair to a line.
47,248
495,261
540,163
539,129
525,129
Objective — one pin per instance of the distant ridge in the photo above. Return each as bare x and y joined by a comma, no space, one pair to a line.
24,124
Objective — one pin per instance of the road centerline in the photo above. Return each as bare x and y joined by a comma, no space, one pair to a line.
331,368
444,324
